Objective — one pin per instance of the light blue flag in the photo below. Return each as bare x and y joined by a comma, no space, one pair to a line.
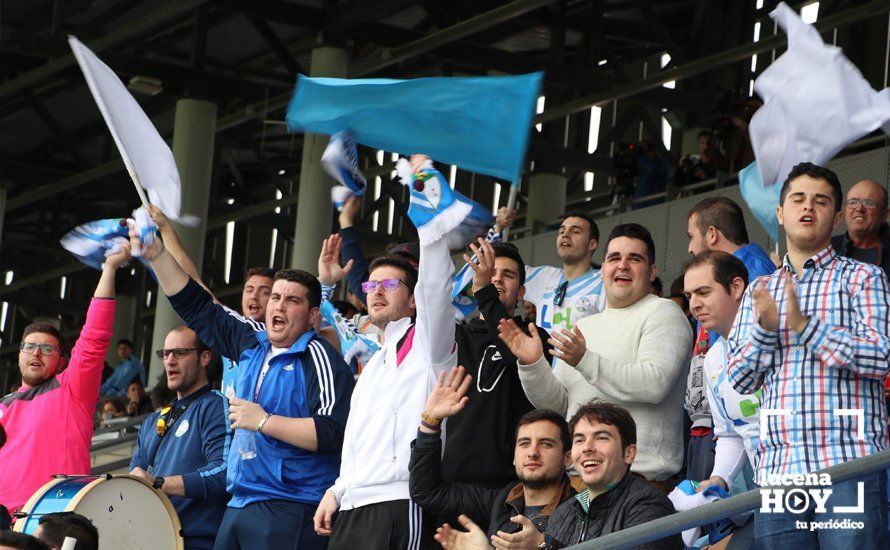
481,124
761,199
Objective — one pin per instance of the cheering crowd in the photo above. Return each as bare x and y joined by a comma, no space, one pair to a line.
404,428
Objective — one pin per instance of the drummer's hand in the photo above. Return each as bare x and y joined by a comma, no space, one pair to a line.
245,414
139,472
323,520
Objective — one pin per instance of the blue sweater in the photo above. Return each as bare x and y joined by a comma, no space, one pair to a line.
194,447
129,369
309,380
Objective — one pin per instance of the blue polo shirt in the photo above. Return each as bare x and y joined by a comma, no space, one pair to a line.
195,446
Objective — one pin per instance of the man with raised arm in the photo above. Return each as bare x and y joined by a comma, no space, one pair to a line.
417,339
292,402
49,420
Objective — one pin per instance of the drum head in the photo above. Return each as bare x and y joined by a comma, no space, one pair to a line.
129,515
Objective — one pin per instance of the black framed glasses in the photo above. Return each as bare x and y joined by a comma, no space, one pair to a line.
560,294
45,349
389,285
179,353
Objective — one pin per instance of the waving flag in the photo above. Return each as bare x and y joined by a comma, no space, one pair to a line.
481,124
94,241
146,155
816,102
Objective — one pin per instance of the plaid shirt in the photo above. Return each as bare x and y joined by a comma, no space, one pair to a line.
839,361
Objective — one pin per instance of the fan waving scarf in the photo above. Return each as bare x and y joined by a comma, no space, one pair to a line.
481,124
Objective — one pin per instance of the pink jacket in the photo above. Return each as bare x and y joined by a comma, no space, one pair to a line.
49,427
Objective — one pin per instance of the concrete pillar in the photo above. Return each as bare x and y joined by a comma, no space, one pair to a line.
194,130
546,197
314,211
124,325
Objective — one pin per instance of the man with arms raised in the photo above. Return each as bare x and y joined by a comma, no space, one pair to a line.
372,493
814,336
634,353
49,420
292,401
181,448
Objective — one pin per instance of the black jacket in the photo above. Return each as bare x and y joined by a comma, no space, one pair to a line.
491,507
842,244
633,501
479,440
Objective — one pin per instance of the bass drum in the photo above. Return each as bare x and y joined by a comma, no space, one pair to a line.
128,513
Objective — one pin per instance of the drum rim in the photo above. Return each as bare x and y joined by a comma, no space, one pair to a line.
75,500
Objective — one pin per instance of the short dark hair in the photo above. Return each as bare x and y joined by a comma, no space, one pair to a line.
261,271
509,250
725,215
539,415
724,266
2,436
399,262
305,279
58,525
45,328
594,229
21,541
607,413
817,172
126,341
634,231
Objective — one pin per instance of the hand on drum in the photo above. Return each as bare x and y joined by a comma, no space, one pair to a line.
245,414
139,472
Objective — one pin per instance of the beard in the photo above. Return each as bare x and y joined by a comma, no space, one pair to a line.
541,481
34,380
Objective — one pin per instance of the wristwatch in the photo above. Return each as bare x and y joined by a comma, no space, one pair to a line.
158,483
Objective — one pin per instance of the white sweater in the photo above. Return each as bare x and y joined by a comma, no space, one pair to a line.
391,392
636,357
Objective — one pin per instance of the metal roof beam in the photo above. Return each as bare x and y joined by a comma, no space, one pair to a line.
709,63
168,12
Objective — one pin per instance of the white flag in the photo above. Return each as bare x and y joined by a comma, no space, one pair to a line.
145,153
816,102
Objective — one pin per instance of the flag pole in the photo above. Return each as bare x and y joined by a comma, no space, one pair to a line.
511,205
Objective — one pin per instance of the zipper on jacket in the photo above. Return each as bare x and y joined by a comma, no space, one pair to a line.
584,521
395,428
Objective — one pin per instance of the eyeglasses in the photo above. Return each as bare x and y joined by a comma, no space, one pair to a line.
45,349
179,353
560,294
866,203
388,285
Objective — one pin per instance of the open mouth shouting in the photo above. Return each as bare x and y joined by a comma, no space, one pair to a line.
807,219
254,309
278,322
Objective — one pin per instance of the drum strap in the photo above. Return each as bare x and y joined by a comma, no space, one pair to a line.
169,416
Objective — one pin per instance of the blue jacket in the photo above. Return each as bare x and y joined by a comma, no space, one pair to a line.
194,447
309,380
128,370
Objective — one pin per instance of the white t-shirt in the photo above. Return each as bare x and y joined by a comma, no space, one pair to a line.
583,296
734,414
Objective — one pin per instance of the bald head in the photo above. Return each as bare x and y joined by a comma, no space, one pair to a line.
867,211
